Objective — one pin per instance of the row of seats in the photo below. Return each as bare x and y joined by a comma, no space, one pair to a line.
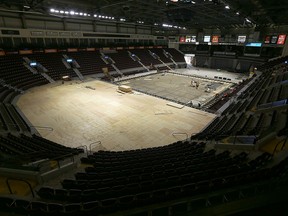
125,183
118,200
33,148
237,118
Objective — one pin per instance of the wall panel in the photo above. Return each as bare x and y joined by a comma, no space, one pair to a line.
12,22
54,25
101,28
72,26
2,21
35,24
112,29
86,27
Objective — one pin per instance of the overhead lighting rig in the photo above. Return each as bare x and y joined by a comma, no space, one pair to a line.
76,13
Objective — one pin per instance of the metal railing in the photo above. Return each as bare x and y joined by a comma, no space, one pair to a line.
283,146
93,143
181,133
36,128
85,149
58,161
41,127
22,180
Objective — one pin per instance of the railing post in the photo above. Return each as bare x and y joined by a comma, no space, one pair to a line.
234,140
90,145
85,148
39,127
174,133
279,144
283,146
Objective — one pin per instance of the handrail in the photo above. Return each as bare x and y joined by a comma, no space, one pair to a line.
193,134
58,159
90,145
283,146
84,147
16,179
174,133
285,140
235,133
63,157
12,124
41,127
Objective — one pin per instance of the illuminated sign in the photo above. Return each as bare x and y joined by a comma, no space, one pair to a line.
215,39
281,39
254,44
207,38
267,39
182,39
274,39
190,39
241,39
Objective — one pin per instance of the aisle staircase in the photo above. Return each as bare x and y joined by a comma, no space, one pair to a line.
46,76
79,74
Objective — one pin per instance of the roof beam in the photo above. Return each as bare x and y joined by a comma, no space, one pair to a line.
262,10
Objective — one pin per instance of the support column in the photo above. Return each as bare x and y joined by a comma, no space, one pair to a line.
64,24
117,28
23,21
94,26
285,49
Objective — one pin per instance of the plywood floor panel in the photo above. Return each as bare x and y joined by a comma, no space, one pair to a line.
80,116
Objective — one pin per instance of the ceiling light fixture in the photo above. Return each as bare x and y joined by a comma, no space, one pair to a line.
247,20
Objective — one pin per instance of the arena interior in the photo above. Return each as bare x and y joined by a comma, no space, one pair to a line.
143,108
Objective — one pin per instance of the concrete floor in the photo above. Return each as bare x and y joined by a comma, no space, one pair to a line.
177,87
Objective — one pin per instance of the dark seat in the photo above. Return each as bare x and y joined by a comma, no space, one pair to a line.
72,209
174,192
163,211
37,208
46,192
159,196
143,198
88,195
55,208
109,205
179,208
74,195
6,203
61,194
90,208
126,202
20,206
198,204
189,189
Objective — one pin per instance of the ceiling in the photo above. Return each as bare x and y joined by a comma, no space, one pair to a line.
181,13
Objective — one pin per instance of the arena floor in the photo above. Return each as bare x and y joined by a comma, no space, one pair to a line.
178,88
81,113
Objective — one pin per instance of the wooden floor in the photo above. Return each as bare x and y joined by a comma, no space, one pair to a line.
82,113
